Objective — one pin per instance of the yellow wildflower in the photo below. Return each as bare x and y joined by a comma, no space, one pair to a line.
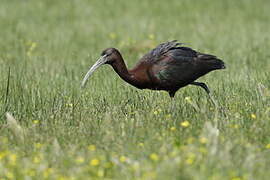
268,146
185,124
3,154
100,173
253,116
151,36
123,159
36,159
154,157
189,161
38,145
203,140
69,105
140,144
47,172
112,35
92,147
173,128
36,121
191,158
33,46
168,116
155,112
235,126
12,159
94,162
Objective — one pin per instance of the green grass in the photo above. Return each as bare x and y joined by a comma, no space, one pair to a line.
111,130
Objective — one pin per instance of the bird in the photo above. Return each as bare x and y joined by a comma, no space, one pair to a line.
168,67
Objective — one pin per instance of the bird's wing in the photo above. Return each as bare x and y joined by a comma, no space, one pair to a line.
173,71
179,65
163,48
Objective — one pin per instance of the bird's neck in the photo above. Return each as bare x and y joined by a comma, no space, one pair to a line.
120,68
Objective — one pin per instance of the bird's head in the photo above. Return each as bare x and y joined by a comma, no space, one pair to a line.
108,56
111,55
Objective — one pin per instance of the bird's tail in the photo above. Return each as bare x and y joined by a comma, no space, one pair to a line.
211,62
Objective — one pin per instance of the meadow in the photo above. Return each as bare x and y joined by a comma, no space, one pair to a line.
50,128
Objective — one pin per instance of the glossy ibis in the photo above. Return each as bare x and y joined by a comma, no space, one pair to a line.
170,66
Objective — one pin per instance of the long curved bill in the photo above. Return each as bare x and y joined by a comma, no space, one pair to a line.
99,62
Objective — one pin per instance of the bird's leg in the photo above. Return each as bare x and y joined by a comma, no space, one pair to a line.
172,93
202,85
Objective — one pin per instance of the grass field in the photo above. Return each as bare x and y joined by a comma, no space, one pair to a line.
111,130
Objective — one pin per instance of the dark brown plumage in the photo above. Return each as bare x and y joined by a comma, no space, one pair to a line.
170,66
